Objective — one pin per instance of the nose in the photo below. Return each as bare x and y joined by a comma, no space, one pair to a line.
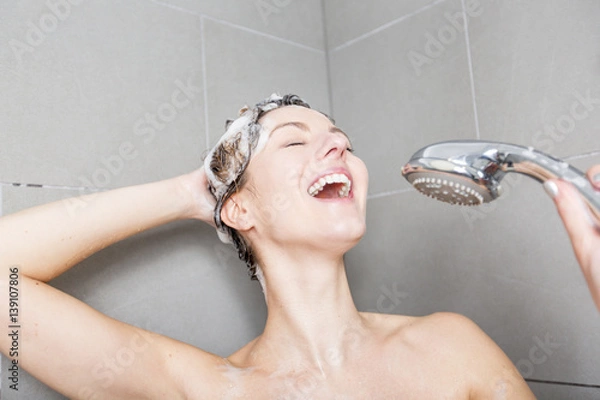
334,145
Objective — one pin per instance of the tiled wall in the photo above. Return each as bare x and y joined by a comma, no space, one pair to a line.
408,73
88,102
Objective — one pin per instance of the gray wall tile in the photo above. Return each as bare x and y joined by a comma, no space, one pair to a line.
349,19
297,21
390,108
78,101
544,391
533,62
243,68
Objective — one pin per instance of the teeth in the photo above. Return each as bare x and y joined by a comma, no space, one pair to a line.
331,178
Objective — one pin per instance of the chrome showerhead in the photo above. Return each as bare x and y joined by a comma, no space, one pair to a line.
469,172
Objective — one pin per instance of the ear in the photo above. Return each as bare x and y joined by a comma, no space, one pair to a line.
236,214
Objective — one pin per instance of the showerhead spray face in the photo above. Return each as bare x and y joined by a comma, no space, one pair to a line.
449,189
468,172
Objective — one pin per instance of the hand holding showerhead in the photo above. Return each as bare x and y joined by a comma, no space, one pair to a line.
470,172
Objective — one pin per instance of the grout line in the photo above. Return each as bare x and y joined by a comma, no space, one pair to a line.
390,193
583,155
386,25
171,6
205,84
236,26
17,184
563,383
266,35
327,61
470,62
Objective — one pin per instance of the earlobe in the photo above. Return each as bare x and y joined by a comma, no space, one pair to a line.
235,214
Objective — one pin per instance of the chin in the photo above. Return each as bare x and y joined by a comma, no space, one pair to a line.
347,235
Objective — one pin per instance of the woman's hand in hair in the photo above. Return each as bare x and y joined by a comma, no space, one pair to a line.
583,231
201,201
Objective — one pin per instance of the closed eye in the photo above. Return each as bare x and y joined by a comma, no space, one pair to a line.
294,144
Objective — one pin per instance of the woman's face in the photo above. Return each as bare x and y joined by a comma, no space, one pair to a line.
292,203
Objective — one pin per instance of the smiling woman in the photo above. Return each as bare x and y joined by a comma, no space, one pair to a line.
284,187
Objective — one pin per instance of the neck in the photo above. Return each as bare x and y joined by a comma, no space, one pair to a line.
311,313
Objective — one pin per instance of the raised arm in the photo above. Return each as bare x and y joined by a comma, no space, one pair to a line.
62,341
47,240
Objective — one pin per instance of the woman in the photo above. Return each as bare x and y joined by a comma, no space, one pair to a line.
283,186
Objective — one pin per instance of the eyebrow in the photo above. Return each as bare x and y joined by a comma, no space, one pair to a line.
304,127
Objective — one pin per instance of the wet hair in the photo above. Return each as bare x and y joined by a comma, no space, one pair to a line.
226,164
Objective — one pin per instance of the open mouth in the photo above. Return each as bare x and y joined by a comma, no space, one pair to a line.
332,186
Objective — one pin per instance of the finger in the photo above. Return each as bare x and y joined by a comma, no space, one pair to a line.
593,175
575,216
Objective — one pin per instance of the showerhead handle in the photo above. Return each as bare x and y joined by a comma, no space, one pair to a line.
469,172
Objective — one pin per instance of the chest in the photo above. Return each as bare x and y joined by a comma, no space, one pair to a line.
368,382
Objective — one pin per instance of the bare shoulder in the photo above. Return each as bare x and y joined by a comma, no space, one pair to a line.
492,373
453,345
